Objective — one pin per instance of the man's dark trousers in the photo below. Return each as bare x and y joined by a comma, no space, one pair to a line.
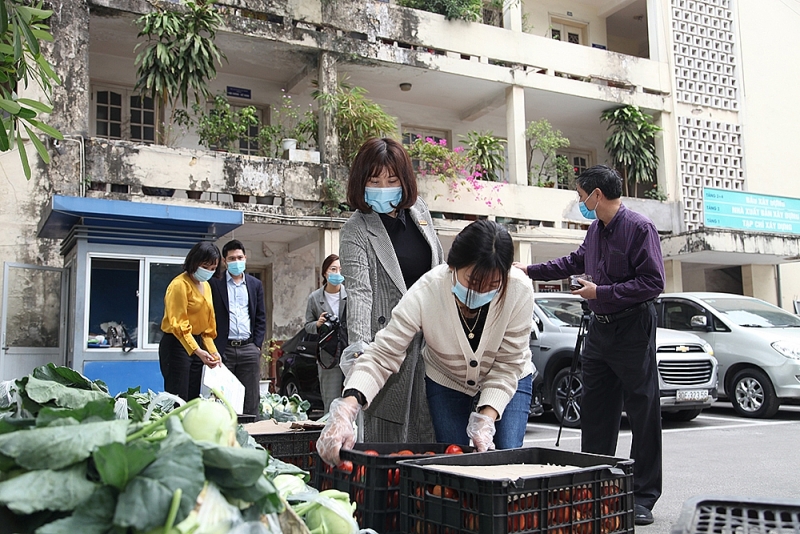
244,363
620,370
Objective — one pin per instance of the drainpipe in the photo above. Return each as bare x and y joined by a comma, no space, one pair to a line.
76,138
778,285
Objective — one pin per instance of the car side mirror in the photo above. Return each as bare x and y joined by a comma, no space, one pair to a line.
538,322
699,322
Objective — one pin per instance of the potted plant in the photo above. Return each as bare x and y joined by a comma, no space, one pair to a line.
545,141
221,128
293,126
452,167
357,118
487,154
179,56
631,144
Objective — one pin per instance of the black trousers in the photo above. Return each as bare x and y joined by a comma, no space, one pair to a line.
183,374
619,370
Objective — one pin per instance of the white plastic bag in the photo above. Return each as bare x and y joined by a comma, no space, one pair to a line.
221,379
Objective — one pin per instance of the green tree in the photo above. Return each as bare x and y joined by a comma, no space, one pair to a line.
631,144
469,10
22,28
544,139
179,57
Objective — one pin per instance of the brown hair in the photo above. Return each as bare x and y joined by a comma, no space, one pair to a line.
326,264
374,156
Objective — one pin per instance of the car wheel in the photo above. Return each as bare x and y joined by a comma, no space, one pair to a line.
567,394
290,387
752,394
681,415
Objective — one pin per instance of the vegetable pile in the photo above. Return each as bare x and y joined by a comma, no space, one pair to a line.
283,409
75,460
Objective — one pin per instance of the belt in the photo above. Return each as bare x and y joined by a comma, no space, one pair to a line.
627,312
240,342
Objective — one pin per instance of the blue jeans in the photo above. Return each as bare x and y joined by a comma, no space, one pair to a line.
450,411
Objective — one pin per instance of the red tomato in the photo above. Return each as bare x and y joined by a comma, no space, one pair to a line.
406,452
346,466
453,449
371,452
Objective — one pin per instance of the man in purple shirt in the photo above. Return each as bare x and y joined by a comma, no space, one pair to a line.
622,253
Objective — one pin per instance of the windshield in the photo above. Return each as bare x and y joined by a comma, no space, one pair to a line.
754,313
563,312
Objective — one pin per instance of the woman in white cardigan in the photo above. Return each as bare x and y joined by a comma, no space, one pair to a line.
476,314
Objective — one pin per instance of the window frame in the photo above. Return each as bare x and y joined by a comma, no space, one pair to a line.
570,153
125,120
558,22
143,292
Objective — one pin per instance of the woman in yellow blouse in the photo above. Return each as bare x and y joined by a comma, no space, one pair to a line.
189,324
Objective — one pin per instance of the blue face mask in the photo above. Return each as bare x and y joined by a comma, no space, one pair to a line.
473,300
383,199
586,212
335,279
203,275
236,267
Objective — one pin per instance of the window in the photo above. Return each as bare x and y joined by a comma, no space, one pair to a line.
119,113
579,160
249,145
568,31
411,134
678,315
126,291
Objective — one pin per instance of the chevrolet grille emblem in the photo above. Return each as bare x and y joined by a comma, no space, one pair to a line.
681,348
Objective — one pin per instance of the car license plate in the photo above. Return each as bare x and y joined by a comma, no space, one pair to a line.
691,395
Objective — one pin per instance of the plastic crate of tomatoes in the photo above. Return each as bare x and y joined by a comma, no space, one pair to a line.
296,448
371,475
596,497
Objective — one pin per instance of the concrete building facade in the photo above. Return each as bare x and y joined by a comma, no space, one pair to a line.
717,76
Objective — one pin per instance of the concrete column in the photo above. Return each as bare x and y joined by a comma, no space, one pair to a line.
657,30
674,276
328,244
515,133
512,16
759,281
522,252
328,137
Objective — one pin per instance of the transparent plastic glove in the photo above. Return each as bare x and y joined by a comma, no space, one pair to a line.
481,430
338,432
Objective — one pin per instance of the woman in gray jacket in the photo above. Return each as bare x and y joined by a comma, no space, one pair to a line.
326,315
386,245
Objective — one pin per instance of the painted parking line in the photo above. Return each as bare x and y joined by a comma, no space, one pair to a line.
725,418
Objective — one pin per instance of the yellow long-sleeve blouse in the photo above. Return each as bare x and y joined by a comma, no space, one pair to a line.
187,312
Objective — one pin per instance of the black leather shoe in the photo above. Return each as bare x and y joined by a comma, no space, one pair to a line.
641,515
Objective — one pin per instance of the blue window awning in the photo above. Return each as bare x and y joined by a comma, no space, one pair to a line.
127,222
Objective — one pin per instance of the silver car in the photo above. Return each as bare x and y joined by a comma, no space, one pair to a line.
757,345
687,368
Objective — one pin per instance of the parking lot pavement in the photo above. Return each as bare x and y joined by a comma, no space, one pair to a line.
718,453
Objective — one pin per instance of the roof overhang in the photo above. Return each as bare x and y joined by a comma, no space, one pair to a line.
123,222
731,247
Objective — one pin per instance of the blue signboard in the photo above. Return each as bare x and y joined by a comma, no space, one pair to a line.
238,92
738,210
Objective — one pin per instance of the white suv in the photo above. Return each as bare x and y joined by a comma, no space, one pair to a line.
687,370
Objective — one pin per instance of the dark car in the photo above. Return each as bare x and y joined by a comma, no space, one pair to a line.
297,371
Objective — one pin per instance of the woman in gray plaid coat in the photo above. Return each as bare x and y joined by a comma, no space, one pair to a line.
385,246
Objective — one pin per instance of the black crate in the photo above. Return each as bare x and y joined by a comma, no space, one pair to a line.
373,482
595,499
297,448
725,515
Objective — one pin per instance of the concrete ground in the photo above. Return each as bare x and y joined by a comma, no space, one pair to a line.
718,453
